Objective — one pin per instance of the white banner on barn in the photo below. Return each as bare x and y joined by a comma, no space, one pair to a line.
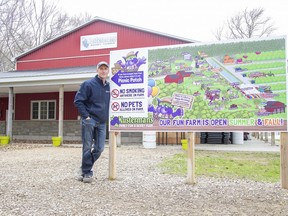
98,41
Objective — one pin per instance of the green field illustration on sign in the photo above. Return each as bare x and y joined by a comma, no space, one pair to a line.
228,86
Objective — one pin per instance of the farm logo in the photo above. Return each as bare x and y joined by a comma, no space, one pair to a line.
118,120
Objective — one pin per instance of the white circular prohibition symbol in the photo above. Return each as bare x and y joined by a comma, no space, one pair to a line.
115,93
115,106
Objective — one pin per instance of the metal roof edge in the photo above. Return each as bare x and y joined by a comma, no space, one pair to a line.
104,20
70,73
47,82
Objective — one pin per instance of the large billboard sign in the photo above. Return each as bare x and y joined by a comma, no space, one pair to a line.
222,86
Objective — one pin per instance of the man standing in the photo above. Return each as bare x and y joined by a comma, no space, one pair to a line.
92,101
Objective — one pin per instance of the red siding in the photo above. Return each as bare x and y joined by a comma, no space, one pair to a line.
69,46
70,111
3,108
23,104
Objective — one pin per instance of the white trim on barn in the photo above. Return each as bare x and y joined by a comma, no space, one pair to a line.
48,79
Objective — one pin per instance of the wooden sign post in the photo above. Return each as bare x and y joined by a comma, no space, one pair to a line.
112,155
284,160
191,159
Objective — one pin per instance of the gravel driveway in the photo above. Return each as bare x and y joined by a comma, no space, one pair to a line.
40,180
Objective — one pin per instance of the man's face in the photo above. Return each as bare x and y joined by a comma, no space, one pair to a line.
103,72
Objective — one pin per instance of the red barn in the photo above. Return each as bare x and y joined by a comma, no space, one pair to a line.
178,77
275,107
36,100
184,73
173,78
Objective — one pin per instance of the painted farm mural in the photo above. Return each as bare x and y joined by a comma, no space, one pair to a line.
228,86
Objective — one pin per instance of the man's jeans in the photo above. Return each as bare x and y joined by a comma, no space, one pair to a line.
93,140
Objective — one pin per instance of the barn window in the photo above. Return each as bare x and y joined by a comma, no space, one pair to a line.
43,110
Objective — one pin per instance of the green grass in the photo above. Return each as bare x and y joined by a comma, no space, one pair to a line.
264,167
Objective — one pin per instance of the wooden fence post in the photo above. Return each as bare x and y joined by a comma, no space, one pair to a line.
272,138
257,136
266,137
261,136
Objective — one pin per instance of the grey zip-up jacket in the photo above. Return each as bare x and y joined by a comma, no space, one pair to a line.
93,98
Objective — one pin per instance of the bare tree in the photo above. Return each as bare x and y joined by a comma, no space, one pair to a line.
25,24
219,32
246,24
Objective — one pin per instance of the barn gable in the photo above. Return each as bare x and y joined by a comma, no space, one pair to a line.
64,51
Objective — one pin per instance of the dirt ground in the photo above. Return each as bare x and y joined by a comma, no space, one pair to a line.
40,180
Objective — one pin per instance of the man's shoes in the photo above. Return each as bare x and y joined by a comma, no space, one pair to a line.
80,178
87,179
79,175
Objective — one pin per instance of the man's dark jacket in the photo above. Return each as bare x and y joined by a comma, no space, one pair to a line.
93,99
